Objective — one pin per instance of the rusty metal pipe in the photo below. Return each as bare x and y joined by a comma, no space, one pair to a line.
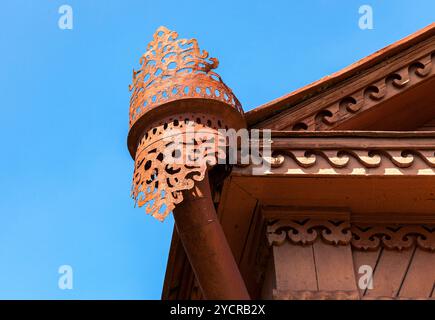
206,245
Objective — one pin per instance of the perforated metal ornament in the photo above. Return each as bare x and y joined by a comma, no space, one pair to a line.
177,102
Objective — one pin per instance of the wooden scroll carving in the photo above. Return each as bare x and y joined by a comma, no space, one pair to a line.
359,96
307,231
369,96
341,158
315,295
328,153
361,237
393,237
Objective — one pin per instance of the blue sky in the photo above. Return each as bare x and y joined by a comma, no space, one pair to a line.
65,171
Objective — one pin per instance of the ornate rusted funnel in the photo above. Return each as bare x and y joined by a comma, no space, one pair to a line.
174,86
179,104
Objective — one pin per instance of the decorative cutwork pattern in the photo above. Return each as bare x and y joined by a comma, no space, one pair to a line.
396,298
362,237
315,295
307,231
175,143
367,97
333,295
171,156
173,69
340,160
393,237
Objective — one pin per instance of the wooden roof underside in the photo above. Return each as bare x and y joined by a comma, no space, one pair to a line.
391,90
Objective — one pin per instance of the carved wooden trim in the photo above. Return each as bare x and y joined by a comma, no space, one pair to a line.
327,110
362,237
307,231
396,298
367,97
393,237
341,158
349,162
333,295
335,155
315,295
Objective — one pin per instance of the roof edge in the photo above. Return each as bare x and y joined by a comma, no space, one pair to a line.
275,106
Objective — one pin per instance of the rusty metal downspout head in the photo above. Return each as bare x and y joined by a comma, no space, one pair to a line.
178,108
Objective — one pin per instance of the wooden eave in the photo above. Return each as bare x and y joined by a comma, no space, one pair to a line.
326,167
367,176
384,78
375,176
